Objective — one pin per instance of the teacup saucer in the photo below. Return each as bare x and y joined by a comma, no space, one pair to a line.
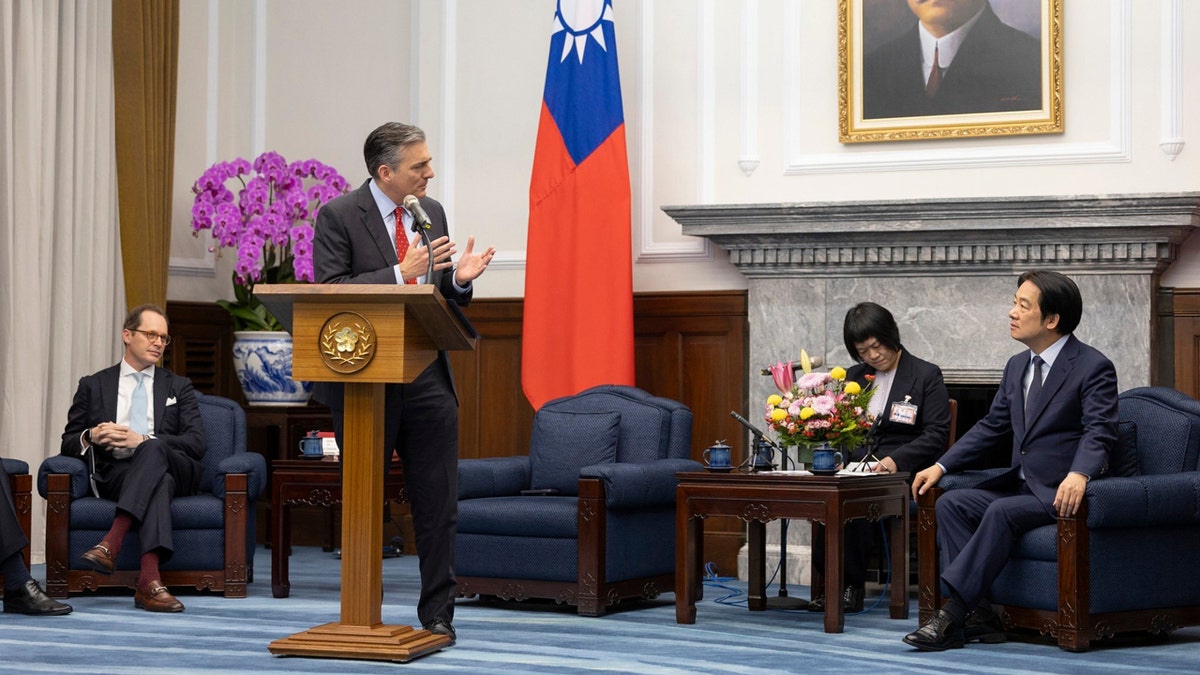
719,469
824,472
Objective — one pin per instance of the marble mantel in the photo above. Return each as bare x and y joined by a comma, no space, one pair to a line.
947,269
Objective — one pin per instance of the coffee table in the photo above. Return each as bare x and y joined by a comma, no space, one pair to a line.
759,498
311,482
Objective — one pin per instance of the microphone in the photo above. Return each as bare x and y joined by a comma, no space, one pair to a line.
420,218
816,361
752,429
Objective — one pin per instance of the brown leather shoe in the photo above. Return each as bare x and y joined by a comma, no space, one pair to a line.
157,599
100,559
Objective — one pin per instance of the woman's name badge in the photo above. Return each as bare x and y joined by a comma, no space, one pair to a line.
903,412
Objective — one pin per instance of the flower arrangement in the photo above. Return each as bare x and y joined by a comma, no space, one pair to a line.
269,223
818,409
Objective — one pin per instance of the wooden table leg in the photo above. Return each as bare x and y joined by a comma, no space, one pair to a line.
689,547
835,530
756,588
281,542
898,605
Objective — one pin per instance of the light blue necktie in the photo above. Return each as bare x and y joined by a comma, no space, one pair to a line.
137,405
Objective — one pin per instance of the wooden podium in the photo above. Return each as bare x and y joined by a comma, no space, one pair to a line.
363,336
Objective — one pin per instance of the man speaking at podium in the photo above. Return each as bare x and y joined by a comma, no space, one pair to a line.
364,237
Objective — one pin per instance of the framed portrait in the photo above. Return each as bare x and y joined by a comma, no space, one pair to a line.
929,69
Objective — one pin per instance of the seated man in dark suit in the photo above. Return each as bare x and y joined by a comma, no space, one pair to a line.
139,427
1059,401
22,595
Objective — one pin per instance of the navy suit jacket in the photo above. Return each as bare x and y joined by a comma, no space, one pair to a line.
997,68
352,247
912,446
1070,428
178,426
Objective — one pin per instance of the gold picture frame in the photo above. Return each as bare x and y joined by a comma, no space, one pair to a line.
883,71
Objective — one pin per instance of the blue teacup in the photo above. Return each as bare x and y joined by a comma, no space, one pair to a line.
311,447
764,456
826,461
717,457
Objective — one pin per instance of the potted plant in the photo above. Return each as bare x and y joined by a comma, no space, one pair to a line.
269,223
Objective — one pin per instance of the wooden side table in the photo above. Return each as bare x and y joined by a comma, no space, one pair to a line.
760,498
311,482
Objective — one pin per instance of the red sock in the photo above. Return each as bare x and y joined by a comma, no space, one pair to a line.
149,570
116,535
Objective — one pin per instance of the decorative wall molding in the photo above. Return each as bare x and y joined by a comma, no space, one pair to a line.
706,102
1078,234
748,159
258,106
447,175
1172,78
1116,148
207,265
645,248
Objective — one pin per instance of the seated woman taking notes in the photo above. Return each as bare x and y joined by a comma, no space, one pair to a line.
912,411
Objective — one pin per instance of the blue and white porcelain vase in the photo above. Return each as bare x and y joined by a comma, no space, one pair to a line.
263,361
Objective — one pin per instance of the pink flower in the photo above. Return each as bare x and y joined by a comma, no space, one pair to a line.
783,376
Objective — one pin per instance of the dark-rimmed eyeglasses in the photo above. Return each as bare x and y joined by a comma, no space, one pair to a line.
154,337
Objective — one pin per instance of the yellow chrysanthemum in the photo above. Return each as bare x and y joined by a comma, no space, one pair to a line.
838,373
774,399
853,389
778,414
806,413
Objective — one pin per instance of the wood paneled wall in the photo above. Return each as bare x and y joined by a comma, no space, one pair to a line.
1185,317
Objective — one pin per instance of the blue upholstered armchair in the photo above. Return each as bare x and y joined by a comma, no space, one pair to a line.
214,529
1125,561
604,529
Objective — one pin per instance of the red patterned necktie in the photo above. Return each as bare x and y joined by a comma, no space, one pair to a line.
402,240
935,76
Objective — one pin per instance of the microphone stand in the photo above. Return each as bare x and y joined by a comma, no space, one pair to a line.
782,601
424,232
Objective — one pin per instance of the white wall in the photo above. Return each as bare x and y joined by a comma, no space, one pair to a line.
711,89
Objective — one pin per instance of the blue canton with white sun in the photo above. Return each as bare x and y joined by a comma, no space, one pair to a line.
583,86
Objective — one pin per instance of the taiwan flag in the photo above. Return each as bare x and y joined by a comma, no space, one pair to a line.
578,316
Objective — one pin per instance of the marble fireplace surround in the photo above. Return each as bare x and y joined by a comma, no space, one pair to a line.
947,270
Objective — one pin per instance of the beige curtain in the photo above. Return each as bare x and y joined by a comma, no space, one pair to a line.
61,294
145,38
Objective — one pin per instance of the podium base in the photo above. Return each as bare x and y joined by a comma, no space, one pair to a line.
380,642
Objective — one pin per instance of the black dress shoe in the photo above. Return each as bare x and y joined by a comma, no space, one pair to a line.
441,627
852,599
984,626
938,634
31,599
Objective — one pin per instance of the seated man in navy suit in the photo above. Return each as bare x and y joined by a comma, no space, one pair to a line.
1059,401
22,595
140,430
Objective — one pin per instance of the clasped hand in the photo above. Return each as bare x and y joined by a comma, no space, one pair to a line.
113,435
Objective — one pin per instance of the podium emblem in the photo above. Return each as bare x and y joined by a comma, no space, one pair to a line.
348,342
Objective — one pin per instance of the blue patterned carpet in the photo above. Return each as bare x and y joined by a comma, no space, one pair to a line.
106,634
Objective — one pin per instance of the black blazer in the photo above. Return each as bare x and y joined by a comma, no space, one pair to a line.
177,421
352,246
912,446
1071,427
997,68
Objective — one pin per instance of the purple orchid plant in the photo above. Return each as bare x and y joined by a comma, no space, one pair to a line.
269,222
